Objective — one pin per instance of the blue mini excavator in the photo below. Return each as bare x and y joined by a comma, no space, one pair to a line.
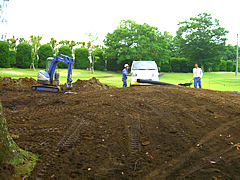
48,80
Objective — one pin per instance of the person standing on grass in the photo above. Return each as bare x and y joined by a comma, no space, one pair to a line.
197,75
125,75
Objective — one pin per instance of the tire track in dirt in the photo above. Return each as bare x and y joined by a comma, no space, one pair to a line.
174,124
71,136
206,161
73,133
164,172
197,119
133,126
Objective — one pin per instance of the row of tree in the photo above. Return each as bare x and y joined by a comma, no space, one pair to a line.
200,39
22,57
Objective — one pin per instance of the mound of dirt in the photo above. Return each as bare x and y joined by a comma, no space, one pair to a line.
88,85
92,84
137,132
8,82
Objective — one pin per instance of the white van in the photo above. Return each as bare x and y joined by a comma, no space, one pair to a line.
146,70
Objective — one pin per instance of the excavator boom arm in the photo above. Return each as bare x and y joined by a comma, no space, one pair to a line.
66,60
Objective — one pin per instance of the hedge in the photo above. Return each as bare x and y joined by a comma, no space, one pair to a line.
81,58
99,63
175,64
23,57
44,52
12,57
4,55
112,65
166,67
183,65
223,65
230,66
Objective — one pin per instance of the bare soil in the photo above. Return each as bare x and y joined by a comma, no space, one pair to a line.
135,132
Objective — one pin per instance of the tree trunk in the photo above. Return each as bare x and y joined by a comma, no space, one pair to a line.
93,63
202,66
8,148
4,142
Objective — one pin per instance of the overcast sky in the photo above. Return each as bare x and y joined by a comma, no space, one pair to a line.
71,19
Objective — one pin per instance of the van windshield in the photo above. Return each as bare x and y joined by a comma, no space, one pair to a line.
144,65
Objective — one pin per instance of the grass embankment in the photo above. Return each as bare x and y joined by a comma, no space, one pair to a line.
221,81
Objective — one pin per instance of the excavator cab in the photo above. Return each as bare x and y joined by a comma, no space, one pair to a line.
48,63
56,74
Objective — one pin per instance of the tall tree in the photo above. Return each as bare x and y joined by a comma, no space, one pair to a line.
176,49
64,42
229,53
35,43
91,47
53,43
83,44
132,41
12,43
202,39
72,44
22,40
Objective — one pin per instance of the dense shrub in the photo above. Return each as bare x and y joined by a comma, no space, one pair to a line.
234,65
112,64
99,63
223,65
166,67
175,64
44,52
183,65
81,58
23,56
230,65
65,50
215,68
207,67
4,55
12,57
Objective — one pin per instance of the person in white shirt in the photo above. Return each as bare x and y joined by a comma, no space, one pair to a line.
197,75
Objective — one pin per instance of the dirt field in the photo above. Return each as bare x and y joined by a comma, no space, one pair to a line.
143,132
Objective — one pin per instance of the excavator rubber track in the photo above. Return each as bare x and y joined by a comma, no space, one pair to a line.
46,88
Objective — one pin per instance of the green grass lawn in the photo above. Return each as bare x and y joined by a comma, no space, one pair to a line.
221,81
